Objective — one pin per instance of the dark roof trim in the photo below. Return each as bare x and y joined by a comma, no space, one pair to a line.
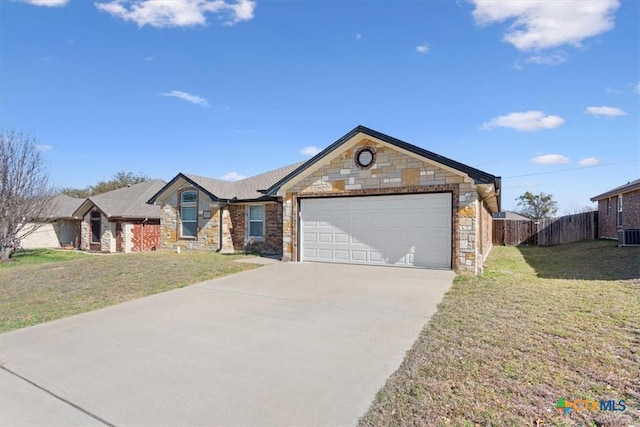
256,200
626,188
477,175
153,199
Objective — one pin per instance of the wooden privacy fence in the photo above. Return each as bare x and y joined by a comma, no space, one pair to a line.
553,231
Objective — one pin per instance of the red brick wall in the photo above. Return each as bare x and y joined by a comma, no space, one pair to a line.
146,236
273,228
631,209
608,214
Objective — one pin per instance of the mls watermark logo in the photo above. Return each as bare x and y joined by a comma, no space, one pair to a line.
579,405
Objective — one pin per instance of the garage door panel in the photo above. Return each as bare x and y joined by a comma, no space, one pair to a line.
404,230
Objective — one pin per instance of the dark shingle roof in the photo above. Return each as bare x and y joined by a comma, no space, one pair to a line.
245,189
629,186
127,202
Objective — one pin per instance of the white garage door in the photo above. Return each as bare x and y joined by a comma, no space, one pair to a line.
404,230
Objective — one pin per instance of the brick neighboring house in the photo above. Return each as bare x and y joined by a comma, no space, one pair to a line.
368,198
121,220
60,228
618,209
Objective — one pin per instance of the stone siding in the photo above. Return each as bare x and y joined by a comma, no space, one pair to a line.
234,226
392,173
207,235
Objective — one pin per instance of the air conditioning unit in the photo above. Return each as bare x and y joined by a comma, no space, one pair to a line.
629,237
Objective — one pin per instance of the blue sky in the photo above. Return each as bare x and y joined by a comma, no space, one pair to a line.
544,94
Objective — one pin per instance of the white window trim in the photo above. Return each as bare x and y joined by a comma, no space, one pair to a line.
249,221
187,205
619,211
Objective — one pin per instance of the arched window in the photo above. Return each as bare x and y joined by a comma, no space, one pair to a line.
188,214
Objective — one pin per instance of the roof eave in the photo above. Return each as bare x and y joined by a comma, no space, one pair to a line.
620,190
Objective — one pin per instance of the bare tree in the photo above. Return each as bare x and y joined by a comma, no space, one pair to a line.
25,193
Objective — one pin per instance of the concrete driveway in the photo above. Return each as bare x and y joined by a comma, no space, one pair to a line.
285,344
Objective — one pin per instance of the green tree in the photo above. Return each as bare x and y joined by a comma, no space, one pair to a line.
119,180
537,206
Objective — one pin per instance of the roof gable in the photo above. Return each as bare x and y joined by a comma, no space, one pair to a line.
478,176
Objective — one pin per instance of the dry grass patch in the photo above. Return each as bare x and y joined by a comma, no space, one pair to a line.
542,323
35,291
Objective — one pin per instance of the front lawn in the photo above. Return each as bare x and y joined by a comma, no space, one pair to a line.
45,285
40,256
542,323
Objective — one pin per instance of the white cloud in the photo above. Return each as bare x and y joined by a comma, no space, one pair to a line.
423,48
638,87
589,161
310,151
232,176
552,59
605,111
44,147
548,23
550,159
174,13
47,3
527,121
194,99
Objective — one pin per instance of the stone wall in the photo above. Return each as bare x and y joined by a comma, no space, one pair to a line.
393,173
207,229
85,234
107,233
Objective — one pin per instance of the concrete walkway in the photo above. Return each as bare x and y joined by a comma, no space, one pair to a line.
285,344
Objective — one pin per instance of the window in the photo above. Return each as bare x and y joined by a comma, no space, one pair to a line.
256,221
620,209
189,214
